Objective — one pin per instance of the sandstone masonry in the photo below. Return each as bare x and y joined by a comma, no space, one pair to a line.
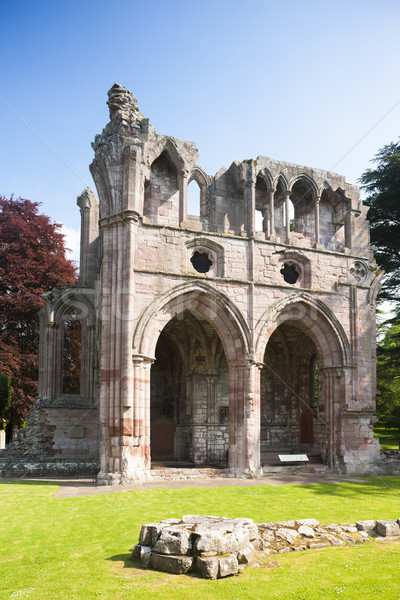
218,339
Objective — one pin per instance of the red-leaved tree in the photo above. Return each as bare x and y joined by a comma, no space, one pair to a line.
32,262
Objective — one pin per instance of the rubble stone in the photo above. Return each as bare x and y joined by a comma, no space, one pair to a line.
387,528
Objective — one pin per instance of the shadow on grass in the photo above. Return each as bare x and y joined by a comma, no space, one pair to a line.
371,486
126,559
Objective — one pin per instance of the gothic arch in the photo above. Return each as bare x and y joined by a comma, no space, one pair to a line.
204,300
308,180
321,324
169,147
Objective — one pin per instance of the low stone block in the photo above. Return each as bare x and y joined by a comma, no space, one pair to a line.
149,533
246,556
289,535
207,567
146,557
228,565
136,552
306,531
173,540
308,522
365,525
387,528
172,564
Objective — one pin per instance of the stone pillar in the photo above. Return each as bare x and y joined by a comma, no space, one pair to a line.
116,377
349,228
89,208
137,417
250,203
287,216
211,418
316,215
333,394
244,418
183,185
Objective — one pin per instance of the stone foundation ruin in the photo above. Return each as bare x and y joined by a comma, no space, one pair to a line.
218,339
215,547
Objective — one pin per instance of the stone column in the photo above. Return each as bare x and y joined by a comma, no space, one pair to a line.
333,392
183,185
250,203
287,216
317,200
137,418
244,418
116,378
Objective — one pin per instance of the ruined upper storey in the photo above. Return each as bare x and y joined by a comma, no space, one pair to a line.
138,171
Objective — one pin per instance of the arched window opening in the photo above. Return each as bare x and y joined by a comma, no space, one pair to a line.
71,380
303,217
193,198
262,200
314,384
259,221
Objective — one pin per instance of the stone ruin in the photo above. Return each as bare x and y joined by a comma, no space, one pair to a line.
215,547
215,337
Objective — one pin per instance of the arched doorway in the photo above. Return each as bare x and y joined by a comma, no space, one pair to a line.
292,407
307,360
189,394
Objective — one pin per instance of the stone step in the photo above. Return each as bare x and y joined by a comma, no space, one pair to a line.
171,473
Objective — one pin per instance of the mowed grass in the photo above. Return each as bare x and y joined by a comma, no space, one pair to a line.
389,438
79,548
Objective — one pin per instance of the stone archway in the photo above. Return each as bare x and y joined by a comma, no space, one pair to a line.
189,395
206,303
290,336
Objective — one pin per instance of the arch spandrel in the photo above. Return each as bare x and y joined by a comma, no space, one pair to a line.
203,300
320,323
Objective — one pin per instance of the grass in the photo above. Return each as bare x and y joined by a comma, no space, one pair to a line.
389,438
79,548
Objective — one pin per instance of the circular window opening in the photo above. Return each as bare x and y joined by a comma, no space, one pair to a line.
290,273
201,262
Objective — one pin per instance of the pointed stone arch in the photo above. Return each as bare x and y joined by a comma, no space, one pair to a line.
321,324
204,300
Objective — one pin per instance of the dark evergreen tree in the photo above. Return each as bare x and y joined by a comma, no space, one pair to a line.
382,185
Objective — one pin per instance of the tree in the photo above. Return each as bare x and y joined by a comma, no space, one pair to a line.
32,262
382,184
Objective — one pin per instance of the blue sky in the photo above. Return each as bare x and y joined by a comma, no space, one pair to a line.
314,83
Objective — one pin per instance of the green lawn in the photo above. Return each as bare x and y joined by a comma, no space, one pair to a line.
389,439
79,548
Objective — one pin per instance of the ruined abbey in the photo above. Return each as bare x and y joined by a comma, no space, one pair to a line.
213,339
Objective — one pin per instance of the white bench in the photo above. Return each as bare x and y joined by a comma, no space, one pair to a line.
288,458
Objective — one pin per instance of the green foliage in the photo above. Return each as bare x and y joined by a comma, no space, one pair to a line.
32,262
382,184
388,375
79,548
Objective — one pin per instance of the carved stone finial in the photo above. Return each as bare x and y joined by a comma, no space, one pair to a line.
122,102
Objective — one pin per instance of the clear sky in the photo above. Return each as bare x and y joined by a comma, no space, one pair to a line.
313,82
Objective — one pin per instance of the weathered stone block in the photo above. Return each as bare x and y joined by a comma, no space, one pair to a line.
207,567
173,540
289,535
228,565
245,556
306,531
146,557
387,528
172,564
